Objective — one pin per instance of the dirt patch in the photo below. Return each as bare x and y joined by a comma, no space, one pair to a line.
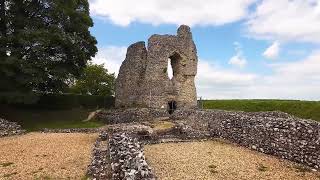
219,160
45,156
162,125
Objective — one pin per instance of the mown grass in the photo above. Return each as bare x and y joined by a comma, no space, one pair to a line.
37,119
302,109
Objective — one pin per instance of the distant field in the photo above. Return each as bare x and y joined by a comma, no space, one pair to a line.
37,119
302,109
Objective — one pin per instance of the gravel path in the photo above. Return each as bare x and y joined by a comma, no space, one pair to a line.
45,156
219,160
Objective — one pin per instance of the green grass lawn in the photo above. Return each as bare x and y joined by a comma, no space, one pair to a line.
37,119
302,109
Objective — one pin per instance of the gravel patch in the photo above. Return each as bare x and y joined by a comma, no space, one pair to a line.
220,160
45,156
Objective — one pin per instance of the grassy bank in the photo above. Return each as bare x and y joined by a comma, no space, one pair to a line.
37,119
302,109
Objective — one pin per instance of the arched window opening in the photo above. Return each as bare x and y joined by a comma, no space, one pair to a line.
169,69
172,69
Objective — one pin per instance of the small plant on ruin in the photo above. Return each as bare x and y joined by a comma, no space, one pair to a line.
213,169
262,168
6,164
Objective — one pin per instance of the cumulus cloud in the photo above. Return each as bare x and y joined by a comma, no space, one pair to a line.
292,80
111,57
272,52
190,12
284,20
215,82
287,20
238,59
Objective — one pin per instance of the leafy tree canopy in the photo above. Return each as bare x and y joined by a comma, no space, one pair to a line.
43,44
95,81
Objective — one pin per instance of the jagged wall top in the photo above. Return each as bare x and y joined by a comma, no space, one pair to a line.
143,79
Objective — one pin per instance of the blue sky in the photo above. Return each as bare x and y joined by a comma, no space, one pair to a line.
246,48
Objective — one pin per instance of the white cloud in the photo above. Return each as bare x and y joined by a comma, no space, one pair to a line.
111,57
190,12
238,59
272,52
291,80
287,20
219,83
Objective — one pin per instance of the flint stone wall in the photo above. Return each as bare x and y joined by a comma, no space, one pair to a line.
116,116
72,130
272,133
127,158
99,167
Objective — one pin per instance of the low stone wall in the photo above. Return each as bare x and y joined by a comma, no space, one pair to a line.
127,158
274,133
116,116
100,164
72,130
8,128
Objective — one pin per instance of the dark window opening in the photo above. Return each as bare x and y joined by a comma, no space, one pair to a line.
172,106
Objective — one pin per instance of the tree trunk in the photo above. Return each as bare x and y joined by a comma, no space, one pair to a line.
3,30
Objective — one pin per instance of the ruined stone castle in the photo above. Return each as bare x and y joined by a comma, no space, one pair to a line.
143,80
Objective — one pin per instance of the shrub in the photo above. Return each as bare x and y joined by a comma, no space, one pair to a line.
59,101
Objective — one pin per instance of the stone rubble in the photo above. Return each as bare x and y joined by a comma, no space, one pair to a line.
72,130
134,129
274,133
116,116
118,154
127,158
100,164
8,128
185,131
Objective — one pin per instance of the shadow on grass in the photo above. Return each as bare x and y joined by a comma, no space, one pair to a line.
37,119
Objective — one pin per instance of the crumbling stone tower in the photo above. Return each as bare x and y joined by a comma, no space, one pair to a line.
143,80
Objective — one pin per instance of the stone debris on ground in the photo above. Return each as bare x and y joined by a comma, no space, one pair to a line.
8,128
100,164
275,133
130,115
127,158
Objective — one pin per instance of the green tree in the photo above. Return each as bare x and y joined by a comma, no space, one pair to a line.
44,43
95,81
